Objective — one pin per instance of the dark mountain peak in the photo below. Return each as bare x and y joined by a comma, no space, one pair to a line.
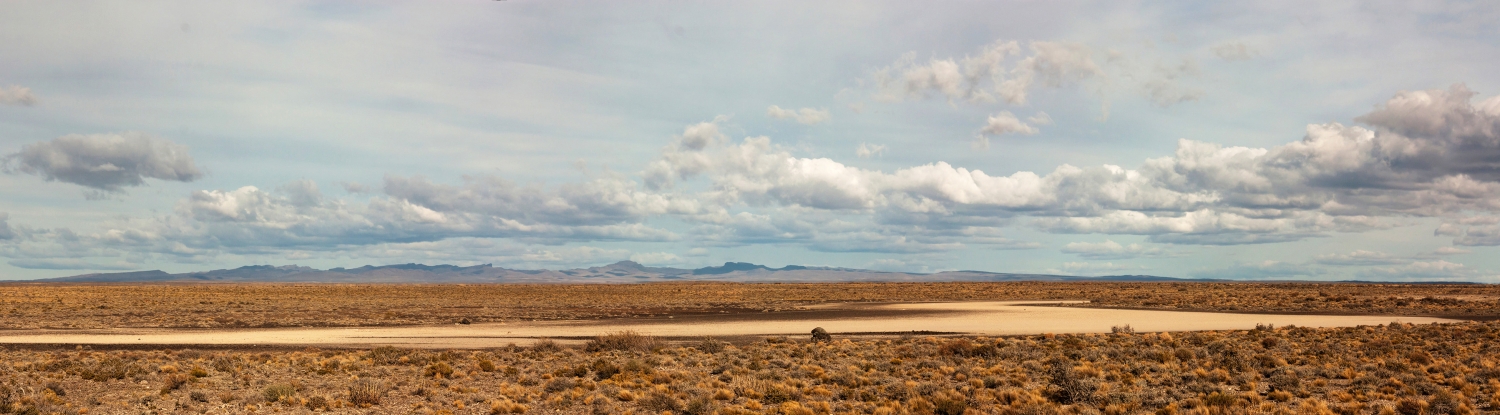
728,268
626,264
133,276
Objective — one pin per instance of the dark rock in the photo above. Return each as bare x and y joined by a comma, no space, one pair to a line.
820,335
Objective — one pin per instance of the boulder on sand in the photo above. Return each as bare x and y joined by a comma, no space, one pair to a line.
820,335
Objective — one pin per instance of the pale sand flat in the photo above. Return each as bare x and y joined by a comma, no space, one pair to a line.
973,318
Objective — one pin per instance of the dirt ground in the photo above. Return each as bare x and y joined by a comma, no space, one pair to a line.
100,306
862,320
1386,369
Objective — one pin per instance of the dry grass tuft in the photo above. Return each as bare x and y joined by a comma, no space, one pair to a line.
629,341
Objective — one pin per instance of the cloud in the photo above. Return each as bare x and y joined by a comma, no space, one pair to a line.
999,124
806,116
1359,257
17,95
1448,250
602,201
302,193
297,216
684,158
1164,88
1004,71
70,264
1052,64
1421,270
354,187
1096,268
5,232
891,264
1006,123
1263,270
1234,51
1112,250
1480,230
105,162
983,77
866,150
475,250
1412,160
656,258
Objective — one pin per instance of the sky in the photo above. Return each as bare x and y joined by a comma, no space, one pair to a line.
1329,140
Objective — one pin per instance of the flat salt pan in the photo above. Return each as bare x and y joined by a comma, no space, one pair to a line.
975,318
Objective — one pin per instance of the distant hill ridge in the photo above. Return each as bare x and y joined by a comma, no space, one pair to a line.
619,272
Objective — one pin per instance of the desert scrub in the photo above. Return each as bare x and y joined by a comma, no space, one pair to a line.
1391,368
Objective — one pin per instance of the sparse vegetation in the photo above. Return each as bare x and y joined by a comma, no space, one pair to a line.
1395,368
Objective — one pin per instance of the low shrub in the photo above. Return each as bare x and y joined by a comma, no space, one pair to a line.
438,370
366,392
175,381
546,346
387,355
279,392
623,341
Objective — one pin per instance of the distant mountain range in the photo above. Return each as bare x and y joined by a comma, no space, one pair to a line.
619,272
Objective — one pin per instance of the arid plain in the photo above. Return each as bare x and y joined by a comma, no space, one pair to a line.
1023,347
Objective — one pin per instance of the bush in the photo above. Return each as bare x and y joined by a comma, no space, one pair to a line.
965,348
559,385
949,404
175,381
604,369
661,402
546,346
56,389
278,392
1067,387
624,341
317,403
701,405
366,392
1410,406
1125,329
486,365
711,345
107,369
387,355
438,370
